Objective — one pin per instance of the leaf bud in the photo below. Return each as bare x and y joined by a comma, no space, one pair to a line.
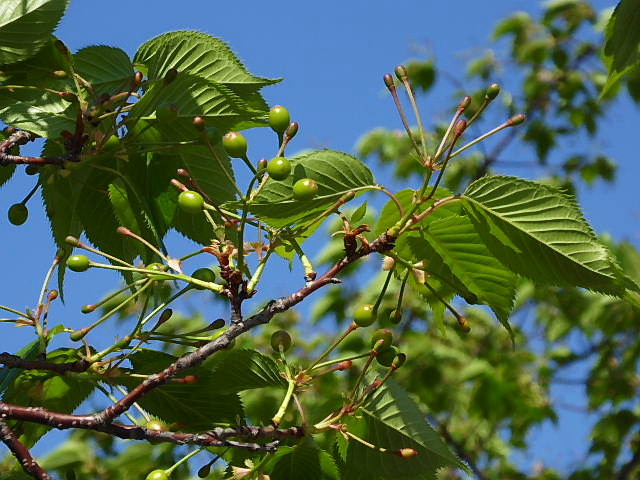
344,365
461,126
492,91
53,294
72,240
517,119
199,123
191,379
262,164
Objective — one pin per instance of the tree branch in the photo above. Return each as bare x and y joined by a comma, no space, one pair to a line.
21,137
22,453
14,361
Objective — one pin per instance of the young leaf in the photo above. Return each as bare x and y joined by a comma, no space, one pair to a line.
107,69
336,173
393,421
26,25
540,233
622,47
301,461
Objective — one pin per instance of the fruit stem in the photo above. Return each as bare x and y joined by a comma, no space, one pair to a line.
169,470
112,397
41,325
251,286
482,137
459,111
461,320
86,247
332,347
17,312
246,201
382,292
277,418
394,93
416,111
246,161
401,293
128,233
215,155
31,193
460,129
339,360
354,390
389,194
118,292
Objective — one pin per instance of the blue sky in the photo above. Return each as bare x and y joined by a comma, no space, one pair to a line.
332,56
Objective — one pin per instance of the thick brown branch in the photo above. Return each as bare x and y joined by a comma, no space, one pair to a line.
22,137
14,361
22,453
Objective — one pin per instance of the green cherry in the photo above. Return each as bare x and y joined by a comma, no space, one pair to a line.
235,144
364,315
386,336
279,118
279,168
280,339
31,169
78,263
387,357
305,189
157,475
157,267
204,274
190,202
18,213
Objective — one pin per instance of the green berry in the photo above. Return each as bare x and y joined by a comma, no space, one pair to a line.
78,263
204,274
387,357
280,339
305,189
279,118
158,267
31,169
395,317
364,315
279,168
190,202
18,213
385,335
157,475
235,144
492,91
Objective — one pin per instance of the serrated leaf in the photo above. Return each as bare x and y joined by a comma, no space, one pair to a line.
45,389
107,69
622,47
196,407
6,172
8,375
539,233
336,173
393,421
25,26
301,461
191,96
239,370
463,252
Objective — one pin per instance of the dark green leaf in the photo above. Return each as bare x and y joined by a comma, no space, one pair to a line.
25,26
301,461
107,69
239,370
622,48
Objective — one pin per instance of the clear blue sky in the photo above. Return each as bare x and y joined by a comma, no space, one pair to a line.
332,55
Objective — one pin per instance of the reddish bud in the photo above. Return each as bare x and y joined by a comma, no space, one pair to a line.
68,96
123,231
183,173
164,316
461,126
72,240
388,81
199,123
464,324
344,365
262,164
464,103
138,77
292,129
191,379
53,294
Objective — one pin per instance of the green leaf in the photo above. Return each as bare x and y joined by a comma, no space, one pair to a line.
207,57
196,407
6,172
622,47
45,389
25,26
107,69
359,213
301,461
239,370
539,233
462,250
393,421
8,375
191,96
336,174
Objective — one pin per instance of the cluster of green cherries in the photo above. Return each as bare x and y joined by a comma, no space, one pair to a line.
278,168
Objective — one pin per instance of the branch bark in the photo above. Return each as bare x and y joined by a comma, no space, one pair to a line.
22,453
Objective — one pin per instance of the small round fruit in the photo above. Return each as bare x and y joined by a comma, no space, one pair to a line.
386,358
262,165
305,189
157,425
157,267
18,213
31,169
204,274
364,315
279,118
280,339
235,144
279,168
190,201
383,334
395,317
78,263
157,475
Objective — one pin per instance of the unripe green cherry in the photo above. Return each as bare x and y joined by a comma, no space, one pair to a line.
279,118
364,315
386,358
190,201
305,189
204,274
157,475
395,317
31,169
280,339
235,144
18,213
279,168
386,336
78,263
158,267
492,91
